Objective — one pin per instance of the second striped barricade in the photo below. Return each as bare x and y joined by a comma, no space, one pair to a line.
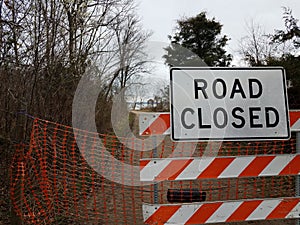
219,167
218,212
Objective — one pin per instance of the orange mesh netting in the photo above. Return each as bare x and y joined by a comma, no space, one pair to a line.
54,181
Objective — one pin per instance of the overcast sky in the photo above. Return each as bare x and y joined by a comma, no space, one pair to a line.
160,15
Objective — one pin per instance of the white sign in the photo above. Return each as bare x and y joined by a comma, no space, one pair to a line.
229,104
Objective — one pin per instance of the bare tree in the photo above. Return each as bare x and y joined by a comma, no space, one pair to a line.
256,47
129,42
45,46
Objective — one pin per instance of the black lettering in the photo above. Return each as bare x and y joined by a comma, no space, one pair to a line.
254,117
201,125
224,88
275,122
198,88
239,117
237,88
186,126
259,87
225,118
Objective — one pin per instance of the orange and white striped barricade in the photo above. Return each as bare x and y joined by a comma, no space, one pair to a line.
219,167
180,169
222,212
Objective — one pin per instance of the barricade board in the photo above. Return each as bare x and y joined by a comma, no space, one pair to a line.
222,212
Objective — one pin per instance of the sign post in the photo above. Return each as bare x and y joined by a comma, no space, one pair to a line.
155,155
297,177
229,104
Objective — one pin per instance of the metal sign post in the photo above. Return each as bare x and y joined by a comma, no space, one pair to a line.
155,156
297,177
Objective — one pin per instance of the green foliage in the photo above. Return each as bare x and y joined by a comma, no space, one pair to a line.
197,37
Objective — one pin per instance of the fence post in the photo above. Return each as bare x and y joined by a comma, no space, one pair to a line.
155,155
297,177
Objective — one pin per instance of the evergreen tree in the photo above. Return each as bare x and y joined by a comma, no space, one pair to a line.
197,37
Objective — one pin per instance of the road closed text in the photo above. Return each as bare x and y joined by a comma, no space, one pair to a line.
252,116
238,116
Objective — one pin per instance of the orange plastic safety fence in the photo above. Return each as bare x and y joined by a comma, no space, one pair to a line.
62,179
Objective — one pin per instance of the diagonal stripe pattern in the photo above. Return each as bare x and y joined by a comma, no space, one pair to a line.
222,212
154,124
219,167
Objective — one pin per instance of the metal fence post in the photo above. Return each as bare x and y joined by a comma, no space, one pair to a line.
297,177
155,155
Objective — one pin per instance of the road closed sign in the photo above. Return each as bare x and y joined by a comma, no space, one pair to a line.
229,104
